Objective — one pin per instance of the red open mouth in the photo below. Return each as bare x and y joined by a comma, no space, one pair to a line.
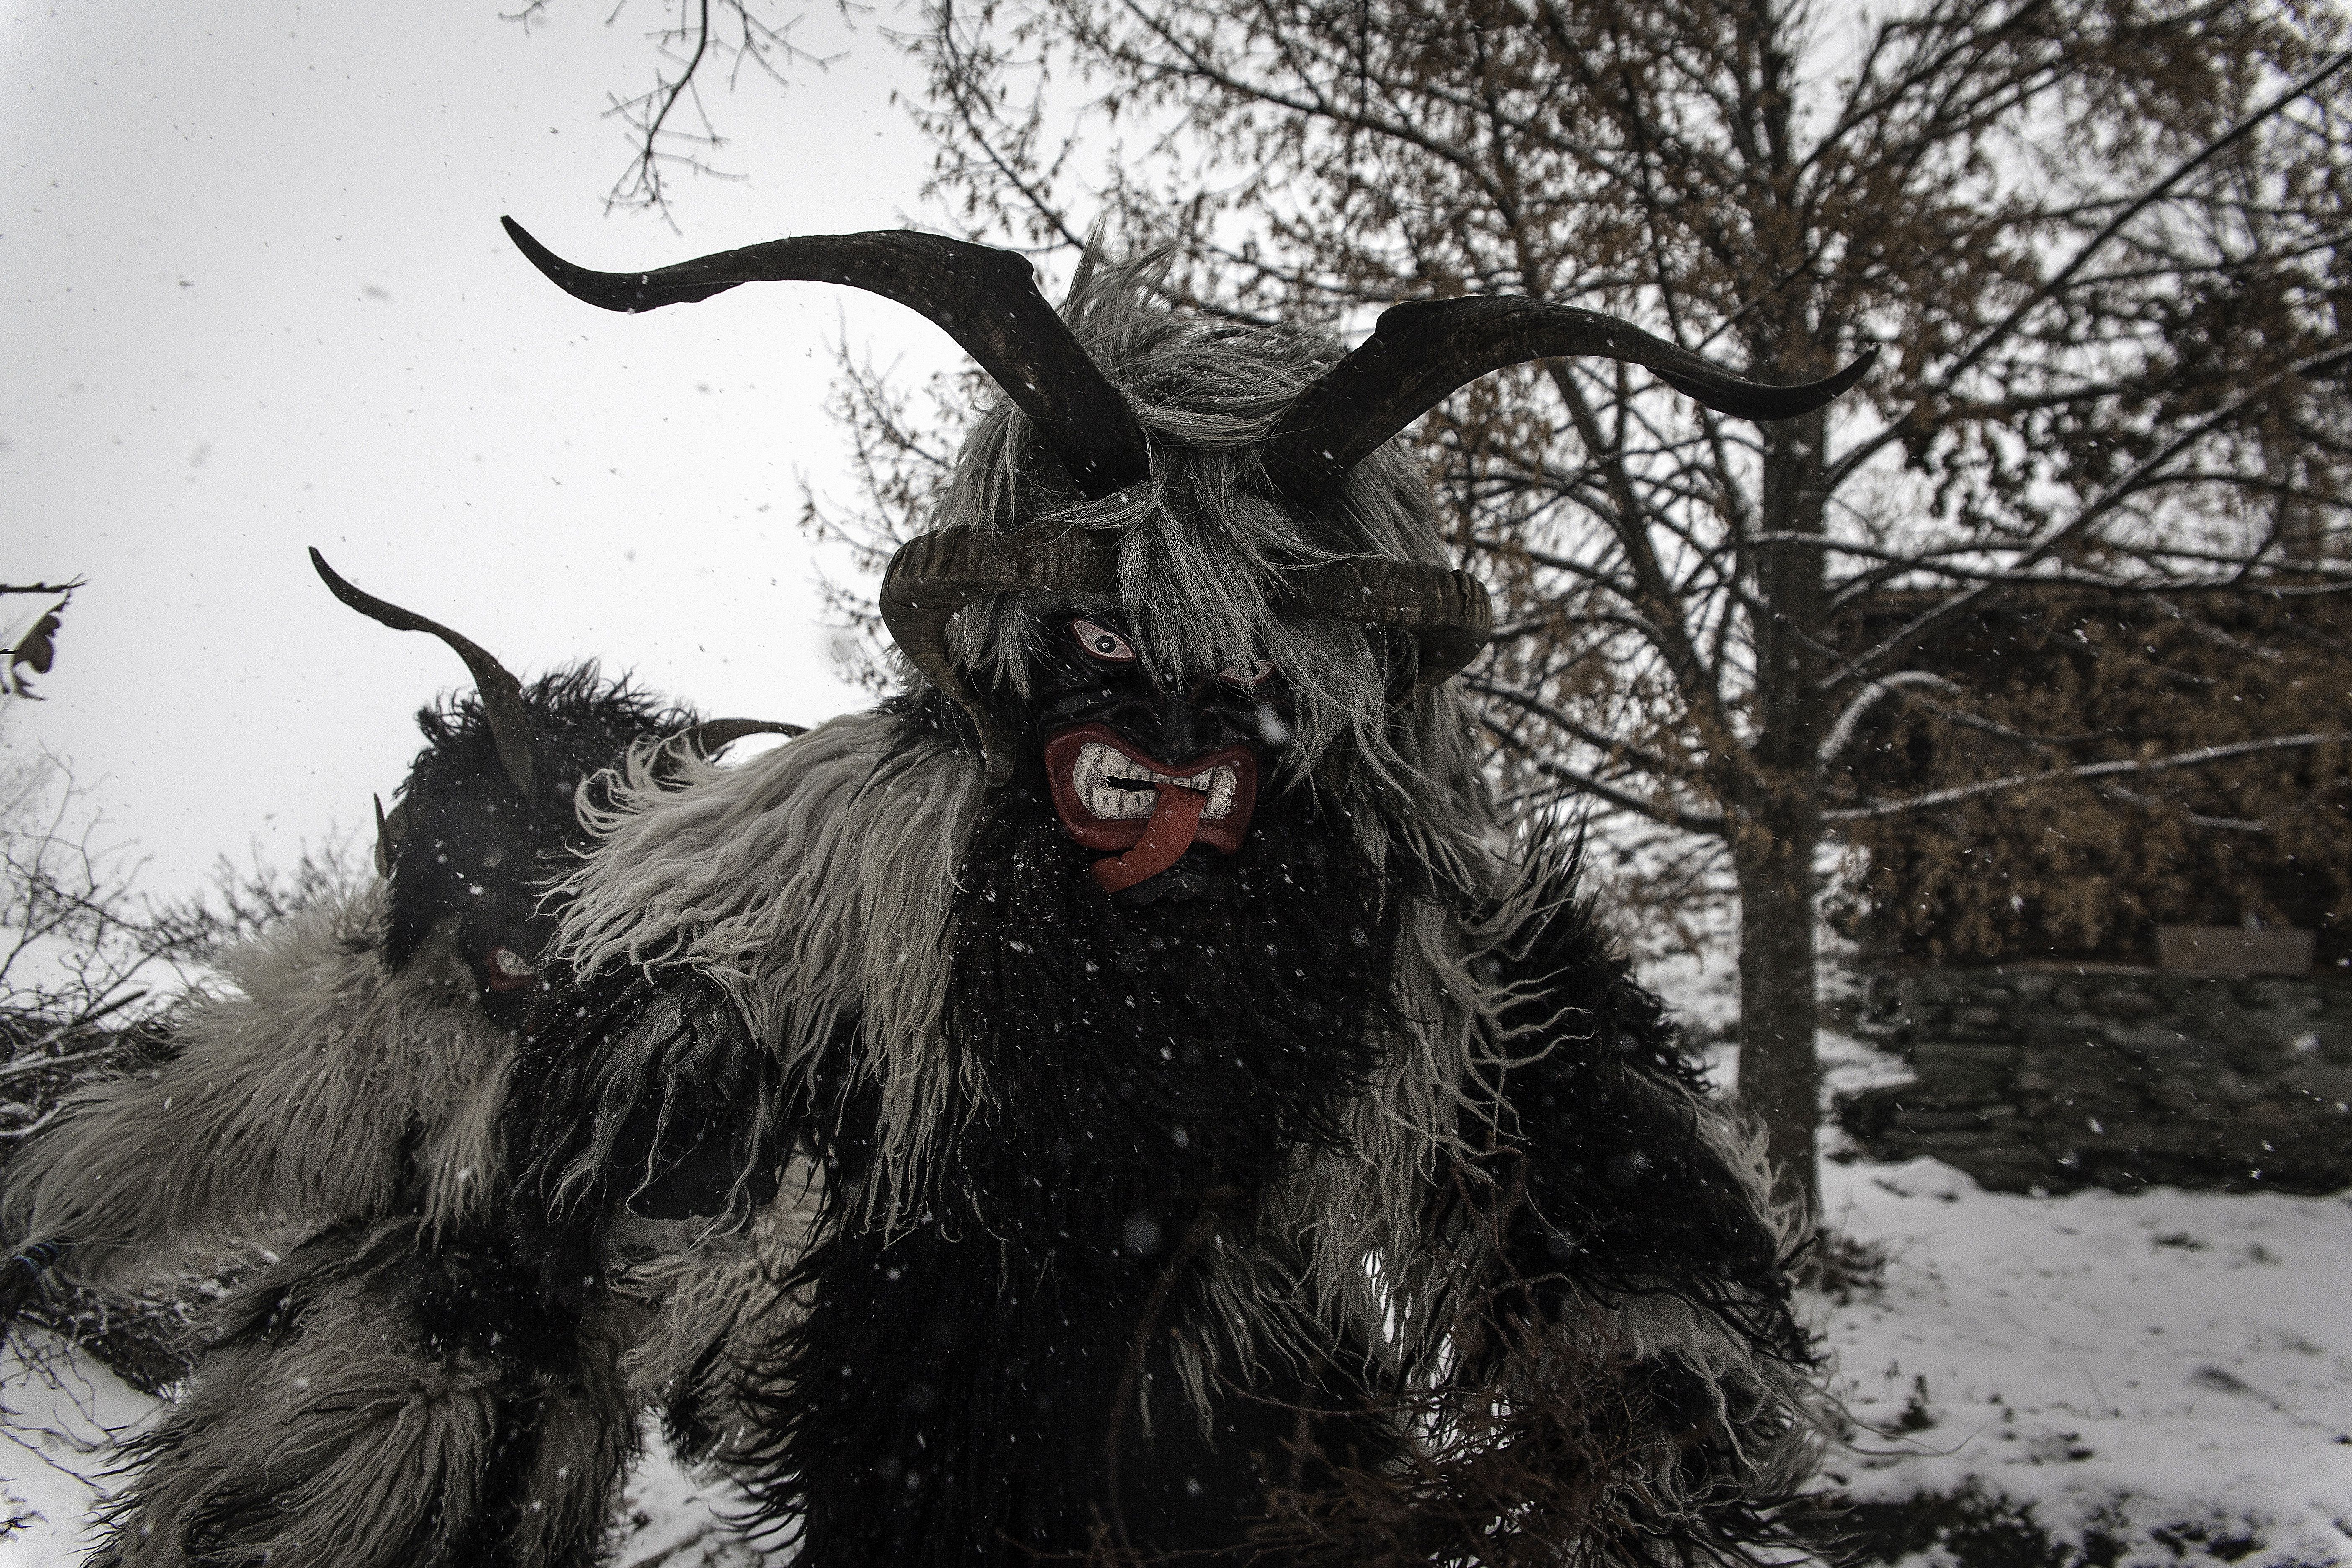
1108,794
503,969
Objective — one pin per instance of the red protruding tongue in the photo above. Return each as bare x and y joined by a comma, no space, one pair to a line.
1165,839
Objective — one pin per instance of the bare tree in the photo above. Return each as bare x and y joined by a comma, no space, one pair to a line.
75,961
2104,244
2227,807
84,957
670,126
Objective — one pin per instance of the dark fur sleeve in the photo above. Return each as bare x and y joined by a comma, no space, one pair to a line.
650,1094
1618,1186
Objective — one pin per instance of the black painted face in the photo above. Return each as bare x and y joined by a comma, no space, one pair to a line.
1091,672
478,858
1159,770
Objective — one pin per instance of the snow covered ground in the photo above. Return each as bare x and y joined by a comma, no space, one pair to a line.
2158,1381
60,1416
2167,1376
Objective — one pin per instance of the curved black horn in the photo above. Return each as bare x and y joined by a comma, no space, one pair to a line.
936,574
1421,352
511,727
1446,612
712,736
985,298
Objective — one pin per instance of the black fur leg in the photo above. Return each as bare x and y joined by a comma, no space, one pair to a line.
628,1093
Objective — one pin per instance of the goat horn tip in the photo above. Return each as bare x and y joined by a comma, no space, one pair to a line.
342,588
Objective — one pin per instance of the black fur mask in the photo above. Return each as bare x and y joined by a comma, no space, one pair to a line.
1187,1038
472,849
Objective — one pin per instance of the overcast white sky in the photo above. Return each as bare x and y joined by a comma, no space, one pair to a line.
257,297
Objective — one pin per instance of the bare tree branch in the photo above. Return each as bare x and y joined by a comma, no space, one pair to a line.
2057,282
1670,816
2080,523
745,33
2198,758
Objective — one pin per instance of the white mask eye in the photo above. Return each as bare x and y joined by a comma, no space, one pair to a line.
1250,676
507,962
1101,643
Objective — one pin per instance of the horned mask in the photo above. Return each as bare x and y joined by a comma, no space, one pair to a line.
988,300
512,729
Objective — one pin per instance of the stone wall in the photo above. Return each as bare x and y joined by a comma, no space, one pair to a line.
2057,1075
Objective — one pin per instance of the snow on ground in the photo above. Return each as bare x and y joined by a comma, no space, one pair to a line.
2163,1378
672,1520
2171,1371
60,1416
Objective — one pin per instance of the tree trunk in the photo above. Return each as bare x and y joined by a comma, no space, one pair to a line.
1780,822
1780,1072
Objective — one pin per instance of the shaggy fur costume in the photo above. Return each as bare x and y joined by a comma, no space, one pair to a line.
1138,1218
316,1083
1211,1185
390,1393
379,1397
345,1065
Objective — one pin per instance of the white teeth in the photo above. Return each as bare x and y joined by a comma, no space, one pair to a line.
1098,765
1108,800
1220,793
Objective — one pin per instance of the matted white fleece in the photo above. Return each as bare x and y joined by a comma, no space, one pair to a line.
815,883
62,1415
301,1079
369,1441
